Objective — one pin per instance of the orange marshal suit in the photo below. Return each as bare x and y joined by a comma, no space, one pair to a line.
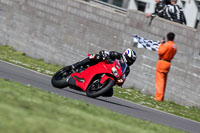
166,53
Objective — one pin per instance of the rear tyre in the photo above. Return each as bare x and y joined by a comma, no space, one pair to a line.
59,78
95,89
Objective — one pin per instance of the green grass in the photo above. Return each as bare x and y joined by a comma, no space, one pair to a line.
27,109
8,54
19,58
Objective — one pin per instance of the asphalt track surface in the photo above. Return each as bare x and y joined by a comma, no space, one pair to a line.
29,77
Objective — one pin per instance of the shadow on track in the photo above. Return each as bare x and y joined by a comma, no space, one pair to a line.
102,99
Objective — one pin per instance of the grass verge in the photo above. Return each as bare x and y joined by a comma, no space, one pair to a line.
27,109
131,94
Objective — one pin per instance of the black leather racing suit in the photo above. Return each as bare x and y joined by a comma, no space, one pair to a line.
93,59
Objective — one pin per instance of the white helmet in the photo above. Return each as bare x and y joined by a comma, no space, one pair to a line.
129,56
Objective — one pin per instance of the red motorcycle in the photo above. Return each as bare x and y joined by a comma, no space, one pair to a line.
95,80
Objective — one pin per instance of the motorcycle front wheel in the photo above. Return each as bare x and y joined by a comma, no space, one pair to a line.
95,89
59,78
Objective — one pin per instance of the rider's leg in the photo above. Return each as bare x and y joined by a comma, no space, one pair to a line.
91,60
83,62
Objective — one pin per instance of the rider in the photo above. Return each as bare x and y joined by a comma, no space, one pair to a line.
129,57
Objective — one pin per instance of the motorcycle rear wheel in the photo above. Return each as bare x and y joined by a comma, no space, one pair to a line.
94,91
59,78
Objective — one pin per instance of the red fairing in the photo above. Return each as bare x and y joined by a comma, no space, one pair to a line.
100,68
104,78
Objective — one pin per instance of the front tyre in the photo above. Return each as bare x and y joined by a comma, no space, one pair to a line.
59,78
95,89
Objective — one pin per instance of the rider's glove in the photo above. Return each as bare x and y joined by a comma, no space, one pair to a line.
103,54
120,82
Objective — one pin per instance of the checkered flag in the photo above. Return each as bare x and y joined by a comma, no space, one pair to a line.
141,42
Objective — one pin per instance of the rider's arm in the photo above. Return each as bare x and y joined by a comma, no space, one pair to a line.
121,81
127,71
123,78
